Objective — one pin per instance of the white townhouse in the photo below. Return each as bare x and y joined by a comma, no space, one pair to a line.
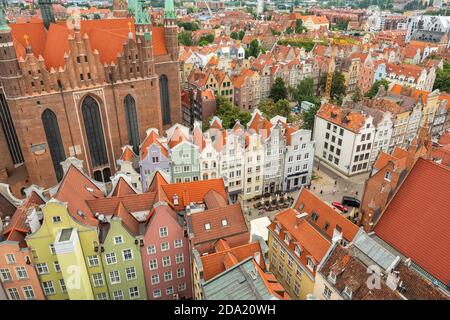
344,139
299,158
253,165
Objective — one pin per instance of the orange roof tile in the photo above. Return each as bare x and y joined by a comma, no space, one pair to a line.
131,202
416,222
75,189
159,41
195,191
122,188
152,138
128,220
308,202
127,154
350,120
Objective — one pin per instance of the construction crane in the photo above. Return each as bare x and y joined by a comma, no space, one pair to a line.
330,73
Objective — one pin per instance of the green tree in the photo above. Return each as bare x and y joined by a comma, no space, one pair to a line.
308,117
253,49
278,90
357,95
337,85
375,86
97,16
305,91
206,39
289,30
299,28
241,34
185,38
229,113
270,108
442,81
234,35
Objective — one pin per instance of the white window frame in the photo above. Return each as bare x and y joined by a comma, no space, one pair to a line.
114,277
130,273
131,253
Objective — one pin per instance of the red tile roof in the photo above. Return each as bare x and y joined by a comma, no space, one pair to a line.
416,221
216,263
193,191
105,35
235,223
131,202
309,202
127,154
122,188
152,138
75,189
128,220
351,120
214,199
311,241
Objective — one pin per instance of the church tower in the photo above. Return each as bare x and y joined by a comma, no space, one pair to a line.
10,74
144,37
120,9
46,12
171,29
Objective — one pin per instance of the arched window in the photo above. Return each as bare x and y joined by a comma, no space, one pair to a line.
54,141
94,131
132,123
165,102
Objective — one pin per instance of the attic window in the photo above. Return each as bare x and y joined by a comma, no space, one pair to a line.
332,277
310,264
207,226
287,238
348,292
277,229
388,176
297,251
314,216
224,223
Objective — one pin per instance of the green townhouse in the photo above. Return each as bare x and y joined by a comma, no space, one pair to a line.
121,256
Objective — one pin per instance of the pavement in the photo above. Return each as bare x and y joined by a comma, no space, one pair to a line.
328,184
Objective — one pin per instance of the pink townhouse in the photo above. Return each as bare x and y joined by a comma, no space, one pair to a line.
166,256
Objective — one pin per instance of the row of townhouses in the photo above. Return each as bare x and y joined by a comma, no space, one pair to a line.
265,156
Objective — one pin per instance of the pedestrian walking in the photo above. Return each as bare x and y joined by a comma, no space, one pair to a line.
321,192
345,189
335,182
334,191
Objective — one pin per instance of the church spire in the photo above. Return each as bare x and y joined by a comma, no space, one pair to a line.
169,10
141,15
46,12
3,24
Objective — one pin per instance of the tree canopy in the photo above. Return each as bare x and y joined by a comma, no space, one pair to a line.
442,81
278,90
253,49
185,38
270,108
305,91
229,113
375,86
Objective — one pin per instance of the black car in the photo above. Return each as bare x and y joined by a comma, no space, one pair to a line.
350,202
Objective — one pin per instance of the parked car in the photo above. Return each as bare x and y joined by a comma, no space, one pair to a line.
350,202
340,207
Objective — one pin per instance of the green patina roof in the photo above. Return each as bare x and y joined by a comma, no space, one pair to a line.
3,23
169,10
141,15
131,6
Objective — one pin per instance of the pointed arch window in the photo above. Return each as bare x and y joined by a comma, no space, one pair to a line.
94,131
54,141
165,102
132,123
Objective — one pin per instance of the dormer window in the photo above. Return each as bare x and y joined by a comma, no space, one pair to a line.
310,263
314,216
287,238
347,292
297,251
277,229
332,277
207,226
224,222
175,200
388,176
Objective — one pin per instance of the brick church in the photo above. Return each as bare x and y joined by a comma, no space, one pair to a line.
83,89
